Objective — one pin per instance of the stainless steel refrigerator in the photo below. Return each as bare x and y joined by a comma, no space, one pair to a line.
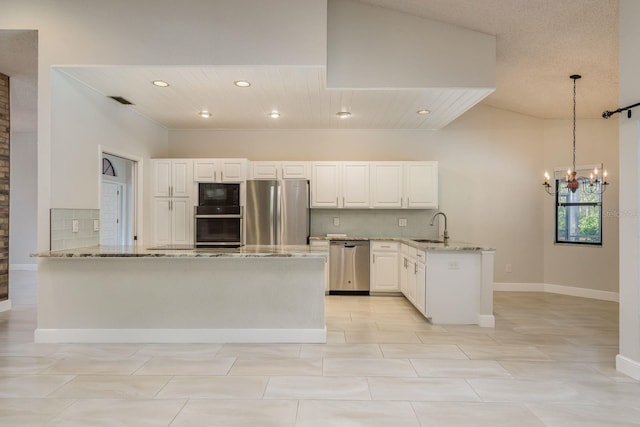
277,212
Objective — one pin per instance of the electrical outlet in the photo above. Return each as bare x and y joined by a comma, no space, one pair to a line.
402,222
336,221
508,268
96,225
75,226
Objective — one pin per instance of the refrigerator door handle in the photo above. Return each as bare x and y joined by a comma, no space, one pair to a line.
272,226
278,216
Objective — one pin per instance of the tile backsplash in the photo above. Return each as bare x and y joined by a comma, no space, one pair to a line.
62,233
374,223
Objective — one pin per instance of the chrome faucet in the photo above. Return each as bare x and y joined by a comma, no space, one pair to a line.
446,233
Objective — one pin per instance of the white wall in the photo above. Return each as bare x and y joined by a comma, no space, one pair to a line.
490,164
150,32
573,265
369,46
628,361
23,192
83,121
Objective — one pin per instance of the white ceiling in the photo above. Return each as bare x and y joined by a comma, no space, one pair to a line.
539,44
298,94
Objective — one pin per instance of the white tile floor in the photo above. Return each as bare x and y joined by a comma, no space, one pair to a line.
549,361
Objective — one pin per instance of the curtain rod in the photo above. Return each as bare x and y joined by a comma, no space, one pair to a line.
607,114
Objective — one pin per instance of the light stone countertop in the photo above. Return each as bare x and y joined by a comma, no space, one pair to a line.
178,251
425,246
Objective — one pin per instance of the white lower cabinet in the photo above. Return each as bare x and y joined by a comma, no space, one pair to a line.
421,287
323,243
172,221
384,266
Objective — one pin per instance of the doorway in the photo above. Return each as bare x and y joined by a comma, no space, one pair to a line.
117,201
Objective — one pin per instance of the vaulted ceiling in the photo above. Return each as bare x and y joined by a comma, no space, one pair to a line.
539,44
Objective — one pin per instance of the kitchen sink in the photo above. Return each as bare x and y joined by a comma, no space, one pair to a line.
427,241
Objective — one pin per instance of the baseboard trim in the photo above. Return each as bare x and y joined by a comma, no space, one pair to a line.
628,367
486,321
23,267
557,289
172,336
5,305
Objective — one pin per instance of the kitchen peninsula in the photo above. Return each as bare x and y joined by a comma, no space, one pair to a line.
253,294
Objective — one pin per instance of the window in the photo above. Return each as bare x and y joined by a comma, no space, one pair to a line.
579,214
107,167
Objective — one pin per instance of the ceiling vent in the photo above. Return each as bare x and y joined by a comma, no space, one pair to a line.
121,100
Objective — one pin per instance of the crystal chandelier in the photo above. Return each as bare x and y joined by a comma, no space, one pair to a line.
596,184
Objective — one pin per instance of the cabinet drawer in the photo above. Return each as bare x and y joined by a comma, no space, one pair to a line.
385,246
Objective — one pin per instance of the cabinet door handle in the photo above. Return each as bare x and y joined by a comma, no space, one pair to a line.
343,201
337,203
408,202
215,175
415,269
374,258
221,176
170,203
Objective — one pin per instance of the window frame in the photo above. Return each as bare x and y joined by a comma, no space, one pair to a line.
559,179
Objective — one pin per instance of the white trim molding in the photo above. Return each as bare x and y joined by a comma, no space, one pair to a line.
628,367
486,321
23,267
557,289
172,336
5,305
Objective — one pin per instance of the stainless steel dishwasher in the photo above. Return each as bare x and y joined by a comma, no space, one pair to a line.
349,267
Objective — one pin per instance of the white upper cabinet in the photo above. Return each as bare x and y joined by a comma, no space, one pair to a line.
172,177
355,185
265,170
220,170
280,170
421,185
340,185
402,185
387,184
295,170
325,184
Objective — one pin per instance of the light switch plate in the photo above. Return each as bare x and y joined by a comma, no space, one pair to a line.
96,225
75,226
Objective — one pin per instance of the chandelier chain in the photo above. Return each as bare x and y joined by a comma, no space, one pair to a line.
574,125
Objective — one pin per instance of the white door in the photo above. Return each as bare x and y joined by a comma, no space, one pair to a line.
355,185
421,185
385,272
111,213
386,183
325,185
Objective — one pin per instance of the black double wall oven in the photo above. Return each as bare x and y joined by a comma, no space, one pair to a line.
218,216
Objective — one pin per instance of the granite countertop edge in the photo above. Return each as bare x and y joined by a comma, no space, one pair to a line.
425,246
293,251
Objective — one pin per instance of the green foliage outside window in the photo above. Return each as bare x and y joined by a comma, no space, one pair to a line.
578,215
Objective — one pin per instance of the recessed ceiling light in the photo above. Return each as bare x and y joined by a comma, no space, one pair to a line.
423,112
274,114
242,83
204,114
160,83
343,114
